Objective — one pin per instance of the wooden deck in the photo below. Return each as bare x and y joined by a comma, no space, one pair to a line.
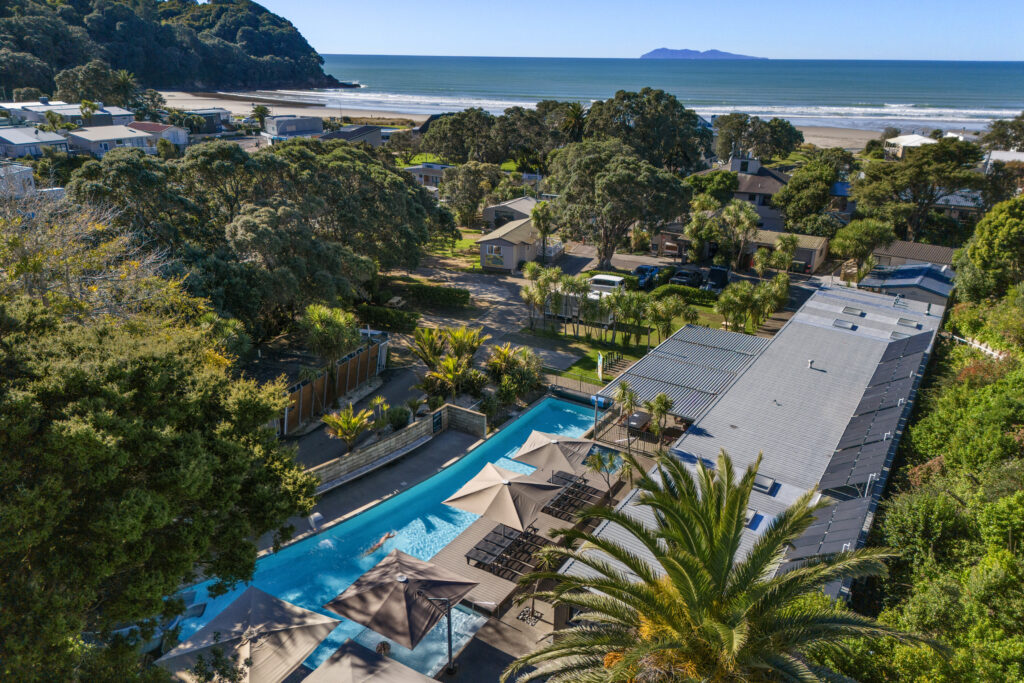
493,592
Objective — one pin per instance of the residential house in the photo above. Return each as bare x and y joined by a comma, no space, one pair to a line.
963,206
840,204
101,139
72,113
896,148
279,128
428,174
926,282
1004,156
757,185
174,134
671,241
16,180
17,142
214,117
371,135
902,252
811,250
509,245
516,209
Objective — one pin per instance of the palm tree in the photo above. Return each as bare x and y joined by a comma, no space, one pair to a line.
739,219
502,361
380,406
123,87
762,261
330,334
535,300
626,398
463,342
348,425
698,610
576,287
659,409
413,404
260,112
88,108
449,373
574,122
604,463
428,345
543,219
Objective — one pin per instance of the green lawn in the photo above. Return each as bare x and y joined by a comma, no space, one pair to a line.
422,158
465,244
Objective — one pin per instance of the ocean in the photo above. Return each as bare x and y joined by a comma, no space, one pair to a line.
850,94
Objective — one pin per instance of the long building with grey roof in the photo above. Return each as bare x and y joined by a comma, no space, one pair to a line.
824,402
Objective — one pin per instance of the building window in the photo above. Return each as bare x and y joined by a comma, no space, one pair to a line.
493,250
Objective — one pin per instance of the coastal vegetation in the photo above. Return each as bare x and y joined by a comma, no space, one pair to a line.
169,44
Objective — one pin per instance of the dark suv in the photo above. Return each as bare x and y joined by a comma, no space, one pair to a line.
687,278
718,279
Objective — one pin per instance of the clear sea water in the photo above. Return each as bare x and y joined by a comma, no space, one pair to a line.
856,94
315,570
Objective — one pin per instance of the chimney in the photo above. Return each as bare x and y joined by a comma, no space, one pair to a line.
810,363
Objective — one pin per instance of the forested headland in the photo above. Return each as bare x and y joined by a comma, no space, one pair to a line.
164,43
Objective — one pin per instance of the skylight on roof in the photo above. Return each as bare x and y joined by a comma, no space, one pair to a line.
898,335
843,324
850,310
907,322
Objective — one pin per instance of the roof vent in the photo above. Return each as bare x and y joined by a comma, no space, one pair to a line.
907,322
898,335
763,483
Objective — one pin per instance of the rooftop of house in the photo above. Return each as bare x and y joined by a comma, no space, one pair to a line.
350,132
962,199
1006,156
427,166
27,135
912,140
522,204
102,133
931,277
916,251
821,403
150,126
516,232
771,237
765,181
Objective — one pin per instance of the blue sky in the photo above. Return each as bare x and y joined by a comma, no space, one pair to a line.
784,29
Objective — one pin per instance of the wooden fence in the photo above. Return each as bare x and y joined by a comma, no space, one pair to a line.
362,461
310,398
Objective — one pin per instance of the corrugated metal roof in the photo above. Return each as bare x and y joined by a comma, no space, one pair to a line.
721,339
915,251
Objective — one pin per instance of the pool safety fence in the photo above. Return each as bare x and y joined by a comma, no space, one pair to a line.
351,466
311,398
571,380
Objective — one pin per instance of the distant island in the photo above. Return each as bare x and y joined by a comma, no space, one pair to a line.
666,53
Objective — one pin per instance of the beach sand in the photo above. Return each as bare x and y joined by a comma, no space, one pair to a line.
243,104
852,139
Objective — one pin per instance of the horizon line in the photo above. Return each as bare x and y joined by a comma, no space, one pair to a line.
750,59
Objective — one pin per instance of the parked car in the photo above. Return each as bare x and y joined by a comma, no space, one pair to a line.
718,279
646,276
606,284
687,278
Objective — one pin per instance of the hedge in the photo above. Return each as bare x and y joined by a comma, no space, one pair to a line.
632,281
390,319
690,295
434,295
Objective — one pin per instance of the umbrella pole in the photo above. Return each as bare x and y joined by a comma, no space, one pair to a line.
448,617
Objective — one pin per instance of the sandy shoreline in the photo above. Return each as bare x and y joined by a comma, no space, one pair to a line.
242,103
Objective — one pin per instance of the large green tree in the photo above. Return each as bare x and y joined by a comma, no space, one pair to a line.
693,607
656,125
604,190
807,193
905,193
721,185
463,136
993,259
464,187
133,462
1005,133
740,133
860,238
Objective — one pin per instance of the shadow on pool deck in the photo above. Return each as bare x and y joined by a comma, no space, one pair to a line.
378,485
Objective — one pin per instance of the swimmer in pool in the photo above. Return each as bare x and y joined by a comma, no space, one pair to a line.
376,546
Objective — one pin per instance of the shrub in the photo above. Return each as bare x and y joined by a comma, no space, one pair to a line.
398,417
389,319
632,281
434,295
690,295
435,402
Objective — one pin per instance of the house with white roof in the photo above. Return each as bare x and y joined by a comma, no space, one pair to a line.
99,140
24,141
896,147
176,135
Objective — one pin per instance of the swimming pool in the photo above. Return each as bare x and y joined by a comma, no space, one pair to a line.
311,572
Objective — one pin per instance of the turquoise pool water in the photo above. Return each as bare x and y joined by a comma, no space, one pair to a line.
313,571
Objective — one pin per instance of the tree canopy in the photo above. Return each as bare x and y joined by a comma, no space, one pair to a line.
1005,134
246,232
807,193
993,259
656,125
745,134
604,190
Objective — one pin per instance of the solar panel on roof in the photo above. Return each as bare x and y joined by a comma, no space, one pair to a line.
918,343
894,350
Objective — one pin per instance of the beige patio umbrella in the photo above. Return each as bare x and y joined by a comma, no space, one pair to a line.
275,635
503,496
353,663
402,598
554,453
